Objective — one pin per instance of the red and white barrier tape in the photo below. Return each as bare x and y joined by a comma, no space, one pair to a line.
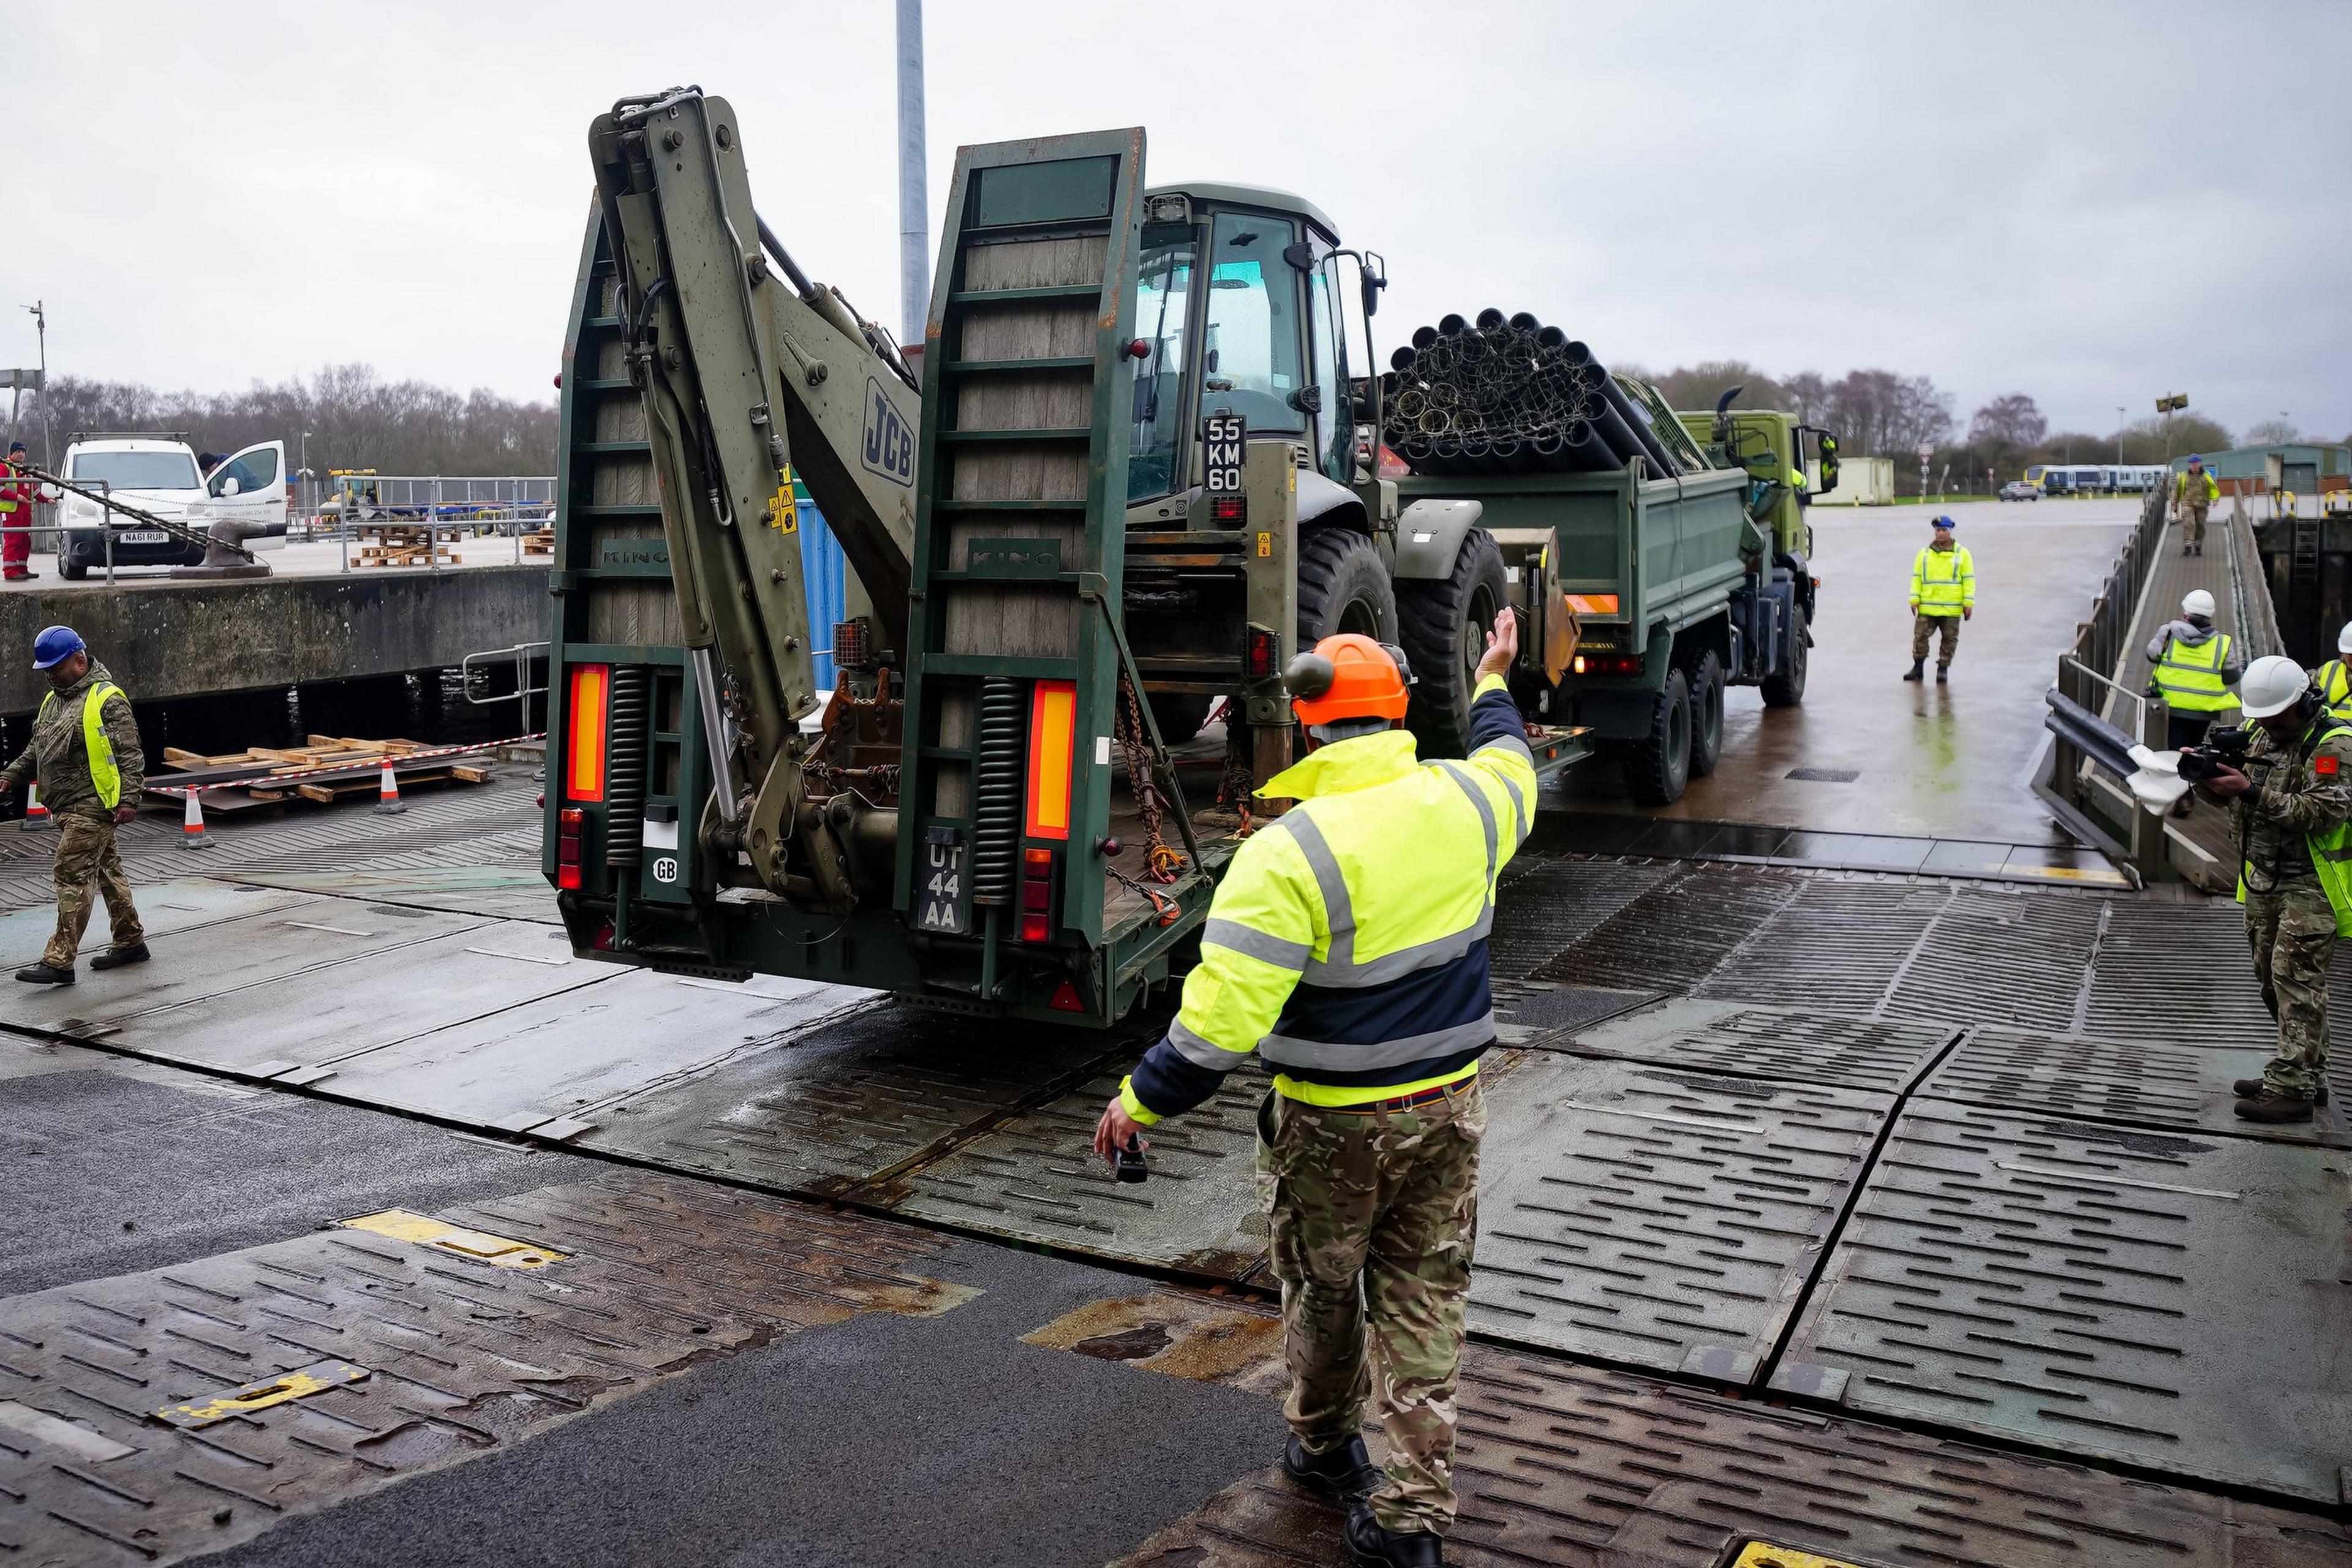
271,780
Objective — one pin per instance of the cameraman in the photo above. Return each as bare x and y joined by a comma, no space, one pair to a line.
2291,810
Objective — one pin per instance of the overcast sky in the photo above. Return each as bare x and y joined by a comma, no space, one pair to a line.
2092,202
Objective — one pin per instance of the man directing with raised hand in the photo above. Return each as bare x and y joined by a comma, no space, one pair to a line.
85,751
1347,945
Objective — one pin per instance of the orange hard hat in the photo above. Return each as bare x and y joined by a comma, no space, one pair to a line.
1349,676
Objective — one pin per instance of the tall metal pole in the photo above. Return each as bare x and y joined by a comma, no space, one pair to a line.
913,198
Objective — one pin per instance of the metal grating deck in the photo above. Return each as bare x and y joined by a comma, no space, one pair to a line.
1767,1042
2180,1303
1544,905
1661,1218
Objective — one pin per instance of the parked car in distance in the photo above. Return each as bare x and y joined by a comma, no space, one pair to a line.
2018,490
158,474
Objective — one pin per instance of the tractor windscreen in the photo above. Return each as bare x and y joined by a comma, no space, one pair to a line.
1251,348
1163,300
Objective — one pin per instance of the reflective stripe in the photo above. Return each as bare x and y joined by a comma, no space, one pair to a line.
1201,1053
1486,817
2190,676
1340,1057
1251,943
1404,960
1515,743
1519,806
1338,909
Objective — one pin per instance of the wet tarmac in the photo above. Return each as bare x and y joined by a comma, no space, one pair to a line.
1915,760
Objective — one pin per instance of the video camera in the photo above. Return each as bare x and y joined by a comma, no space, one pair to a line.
2222,749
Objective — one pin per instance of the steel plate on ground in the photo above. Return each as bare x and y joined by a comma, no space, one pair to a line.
2178,971
2136,1083
1767,1042
1577,1467
1543,905
854,1100
1539,1013
166,909
2002,956
330,1010
507,892
1677,933
1838,945
2179,1303
567,1054
229,957
1039,1179
1664,1218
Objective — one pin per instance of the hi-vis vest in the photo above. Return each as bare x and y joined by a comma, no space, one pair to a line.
2335,688
2201,495
2331,851
2190,677
1346,943
103,773
1943,581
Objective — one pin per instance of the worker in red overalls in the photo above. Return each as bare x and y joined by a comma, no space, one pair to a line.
17,494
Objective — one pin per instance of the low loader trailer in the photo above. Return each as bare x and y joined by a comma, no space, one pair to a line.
1135,475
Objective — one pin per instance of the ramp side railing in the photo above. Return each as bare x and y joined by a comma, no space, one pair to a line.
2088,686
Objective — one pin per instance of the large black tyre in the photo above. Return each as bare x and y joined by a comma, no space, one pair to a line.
1657,765
1707,714
1343,587
1442,627
1180,715
71,570
1787,689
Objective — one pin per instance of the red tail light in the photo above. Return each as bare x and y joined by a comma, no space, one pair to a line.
1037,884
568,824
1608,664
1229,511
1262,654
584,726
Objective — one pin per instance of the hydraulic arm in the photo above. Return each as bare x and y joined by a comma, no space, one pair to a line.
751,381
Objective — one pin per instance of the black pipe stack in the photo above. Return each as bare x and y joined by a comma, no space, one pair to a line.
1506,394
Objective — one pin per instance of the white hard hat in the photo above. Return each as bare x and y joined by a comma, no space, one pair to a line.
2271,686
2344,639
2197,601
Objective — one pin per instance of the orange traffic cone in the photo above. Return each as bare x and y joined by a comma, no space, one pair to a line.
387,794
37,816
192,823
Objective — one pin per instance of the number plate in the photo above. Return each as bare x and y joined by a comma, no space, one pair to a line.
943,890
143,536
1224,437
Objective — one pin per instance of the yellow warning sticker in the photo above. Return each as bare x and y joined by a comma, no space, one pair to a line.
316,1378
1264,546
1761,1556
423,1230
783,515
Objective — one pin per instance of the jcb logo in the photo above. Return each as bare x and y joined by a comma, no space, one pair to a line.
889,441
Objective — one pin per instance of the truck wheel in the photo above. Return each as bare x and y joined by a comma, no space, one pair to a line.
1787,689
1658,765
1178,714
1707,714
1444,627
1343,587
71,570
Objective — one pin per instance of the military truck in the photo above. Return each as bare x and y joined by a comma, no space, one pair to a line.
1133,478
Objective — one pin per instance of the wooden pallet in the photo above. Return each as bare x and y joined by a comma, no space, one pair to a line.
539,543
373,556
261,770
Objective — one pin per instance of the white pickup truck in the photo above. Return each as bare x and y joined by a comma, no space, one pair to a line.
159,475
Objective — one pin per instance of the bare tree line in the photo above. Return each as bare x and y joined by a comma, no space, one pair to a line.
346,416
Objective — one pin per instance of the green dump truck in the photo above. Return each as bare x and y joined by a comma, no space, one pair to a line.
1135,475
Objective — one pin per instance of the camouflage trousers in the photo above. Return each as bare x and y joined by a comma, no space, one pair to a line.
2192,527
88,866
2292,933
1924,627
1374,1217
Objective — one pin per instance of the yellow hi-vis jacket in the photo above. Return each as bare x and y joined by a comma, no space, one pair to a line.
2188,496
2335,688
2190,675
1943,581
1346,943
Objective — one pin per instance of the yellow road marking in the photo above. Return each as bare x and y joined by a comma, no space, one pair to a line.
1761,1556
316,1378
499,1251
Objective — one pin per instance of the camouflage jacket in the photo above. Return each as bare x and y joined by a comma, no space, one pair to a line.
57,757
2305,788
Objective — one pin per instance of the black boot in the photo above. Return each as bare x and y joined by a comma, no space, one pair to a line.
42,974
116,957
1373,1546
1918,669
1345,1471
1942,673
2274,1108
2255,1088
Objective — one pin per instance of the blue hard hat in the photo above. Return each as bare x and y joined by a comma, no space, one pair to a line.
2196,456
1944,521
55,646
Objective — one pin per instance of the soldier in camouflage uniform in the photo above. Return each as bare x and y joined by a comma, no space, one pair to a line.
2291,810
89,797
1347,945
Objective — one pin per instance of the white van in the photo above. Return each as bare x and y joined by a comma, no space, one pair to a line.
158,474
